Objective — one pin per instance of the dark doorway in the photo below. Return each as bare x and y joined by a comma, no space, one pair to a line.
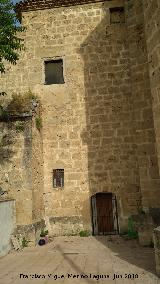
104,214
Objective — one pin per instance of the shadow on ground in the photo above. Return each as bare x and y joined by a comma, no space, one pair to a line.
72,263
130,251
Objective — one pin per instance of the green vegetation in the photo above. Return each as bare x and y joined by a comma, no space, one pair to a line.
84,233
3,114
24,242
19,103
132,232
32,96
38,123
10,42
43,233
19,126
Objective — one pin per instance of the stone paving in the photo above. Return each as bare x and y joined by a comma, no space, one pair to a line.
81,260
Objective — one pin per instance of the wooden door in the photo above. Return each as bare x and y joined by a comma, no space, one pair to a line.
104,213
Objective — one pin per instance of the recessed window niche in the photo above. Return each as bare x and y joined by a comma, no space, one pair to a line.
53,69
117,15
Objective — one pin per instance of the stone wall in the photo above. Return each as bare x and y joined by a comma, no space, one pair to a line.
98,125
143,124
21,171
152,31
112,163
152,34
15,163
87,122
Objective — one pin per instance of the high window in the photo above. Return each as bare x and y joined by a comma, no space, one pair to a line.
117,15
53,71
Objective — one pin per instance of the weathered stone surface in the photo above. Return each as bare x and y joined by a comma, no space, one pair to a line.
101,126
22,170
70,225
31,232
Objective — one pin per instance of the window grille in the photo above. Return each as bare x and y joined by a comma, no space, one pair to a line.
58,178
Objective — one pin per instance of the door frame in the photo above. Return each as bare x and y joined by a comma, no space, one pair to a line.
94,214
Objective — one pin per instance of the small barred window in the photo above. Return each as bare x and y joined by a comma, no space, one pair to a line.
58,178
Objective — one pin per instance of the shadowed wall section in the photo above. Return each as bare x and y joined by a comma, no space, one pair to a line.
109,134
143,123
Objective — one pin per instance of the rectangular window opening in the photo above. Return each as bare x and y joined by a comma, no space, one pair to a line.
53,71
58,178
117,15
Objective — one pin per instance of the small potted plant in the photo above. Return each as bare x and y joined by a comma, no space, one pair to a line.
44,236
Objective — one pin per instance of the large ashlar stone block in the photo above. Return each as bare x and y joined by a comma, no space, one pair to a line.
66,225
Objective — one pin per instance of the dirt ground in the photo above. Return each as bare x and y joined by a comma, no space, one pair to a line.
81,260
